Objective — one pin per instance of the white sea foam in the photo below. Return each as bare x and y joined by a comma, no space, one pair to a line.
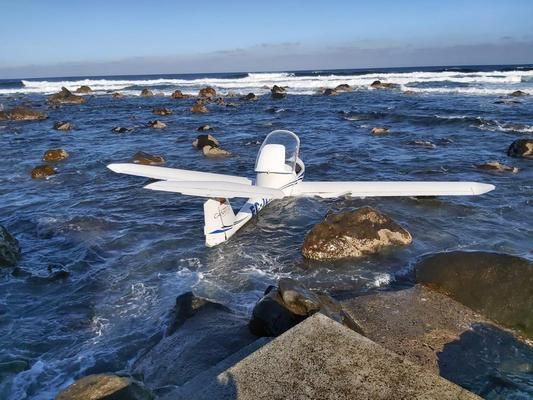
469,83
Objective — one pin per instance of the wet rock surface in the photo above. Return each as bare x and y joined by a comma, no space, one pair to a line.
499,286
63,126
519,93
199,108
497,166
42,172
65,96
177,94
55,155
343,87
156,124
329,92
121,129
162,111
146,93
521,148
383,85
215,152
207,92
9,249
250,97
379,131
105,387
147,159
278,92
205,140
358,233
22,113
83,89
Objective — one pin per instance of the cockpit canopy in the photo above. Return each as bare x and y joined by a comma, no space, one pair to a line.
278,153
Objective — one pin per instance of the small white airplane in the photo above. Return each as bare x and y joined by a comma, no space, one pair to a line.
280,173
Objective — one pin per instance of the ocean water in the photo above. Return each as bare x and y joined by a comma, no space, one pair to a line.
129,252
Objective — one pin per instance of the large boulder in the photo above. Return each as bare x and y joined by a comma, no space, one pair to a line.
9,249
499,286
200,334
146,93
84,89
290,303
105,387
521,148
147,159
199,107
63,126
22,114
65,96
278,92
55,155
358,233
42,172
207,92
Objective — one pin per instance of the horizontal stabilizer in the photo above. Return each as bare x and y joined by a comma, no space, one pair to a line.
174,174
216,189
385,189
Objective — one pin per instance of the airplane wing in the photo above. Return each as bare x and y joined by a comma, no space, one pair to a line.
216,189
385,189
174,174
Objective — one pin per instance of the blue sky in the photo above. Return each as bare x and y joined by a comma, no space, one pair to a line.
43,38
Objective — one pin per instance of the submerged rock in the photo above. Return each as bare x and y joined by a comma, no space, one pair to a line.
121,129
42,172
199,107
278,92
521,148
329,92
55,155
379,131
147,159
499,286
290,303
105,387
66,97
250,97
497,166
205,140
207,92
343,87
146,93
117,95
425,144
383,85
63,126
156,124
21,113
9,249
162,111
83,89
358,233
519,93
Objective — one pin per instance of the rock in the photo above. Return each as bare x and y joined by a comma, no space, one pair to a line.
66,97
63,126
147,159
329,92
409,92
203,333
146,93
205,140
250,97
215,152
496,166
343,87
9,249
105,387
203,128
499,286
207,92
290,303
278,92
162,111
156,124
42,172
379,131
425,144
55,155
117,95
178,95
22,114
521,148
519,93
121,129
199,107
357,233
84,89
383,85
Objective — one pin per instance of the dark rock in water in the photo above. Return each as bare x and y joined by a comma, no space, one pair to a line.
329,92
496,166
206,334
22,114
147,159
121,129
519,93
278,92
250,97
66,97
409,92
205,140
199,107
117,95
55,155
42,172
207,92
289,304
178,95
424,143
521,148
383,85
84,89
343,87
105,387
215,152
9,249
156,124
162,111
146,93
379,131
203,128
364,231
499,286
63,126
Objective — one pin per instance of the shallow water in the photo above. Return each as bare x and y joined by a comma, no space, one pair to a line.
130,251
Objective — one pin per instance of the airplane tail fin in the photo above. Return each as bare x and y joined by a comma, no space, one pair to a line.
219,218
